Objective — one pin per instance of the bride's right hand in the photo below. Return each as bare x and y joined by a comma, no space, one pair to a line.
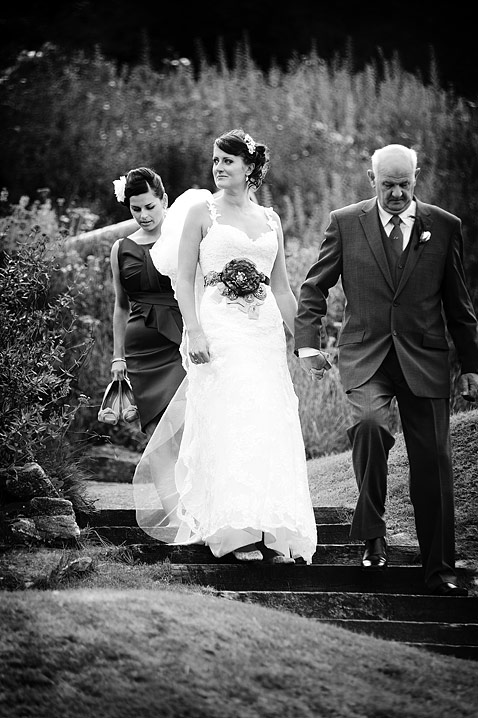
198,349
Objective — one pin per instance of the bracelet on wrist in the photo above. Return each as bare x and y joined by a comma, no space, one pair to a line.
118,359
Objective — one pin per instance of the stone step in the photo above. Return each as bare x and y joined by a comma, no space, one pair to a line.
299,577
127,517
345,554
435,623
392,605
457,639
365,606
127,535
119,525
335,533
464,652
463,634
121,534
108,517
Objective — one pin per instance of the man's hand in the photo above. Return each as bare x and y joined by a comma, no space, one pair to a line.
468,385
316,365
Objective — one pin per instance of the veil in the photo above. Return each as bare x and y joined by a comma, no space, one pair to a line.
154,483
164,252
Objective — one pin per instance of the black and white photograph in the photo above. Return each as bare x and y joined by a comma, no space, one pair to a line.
238,360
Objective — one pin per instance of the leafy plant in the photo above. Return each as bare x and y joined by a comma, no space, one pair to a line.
35,380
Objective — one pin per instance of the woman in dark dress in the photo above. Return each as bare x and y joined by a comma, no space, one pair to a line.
147,323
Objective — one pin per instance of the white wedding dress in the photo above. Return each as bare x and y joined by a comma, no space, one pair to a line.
227,462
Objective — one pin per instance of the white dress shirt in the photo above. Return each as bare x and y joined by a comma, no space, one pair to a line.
408,218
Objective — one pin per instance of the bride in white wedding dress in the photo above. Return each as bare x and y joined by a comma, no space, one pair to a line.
227,461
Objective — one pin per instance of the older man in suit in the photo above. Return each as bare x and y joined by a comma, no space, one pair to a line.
400,261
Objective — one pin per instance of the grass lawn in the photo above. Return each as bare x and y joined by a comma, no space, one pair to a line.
122,640
157,653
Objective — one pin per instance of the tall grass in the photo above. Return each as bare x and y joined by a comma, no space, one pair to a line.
73,123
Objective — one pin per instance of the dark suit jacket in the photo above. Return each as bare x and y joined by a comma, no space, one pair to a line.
412,315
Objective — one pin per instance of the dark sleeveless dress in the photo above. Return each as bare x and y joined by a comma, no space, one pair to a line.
153,331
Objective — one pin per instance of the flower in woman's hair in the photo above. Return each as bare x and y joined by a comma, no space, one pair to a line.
119,187
251,145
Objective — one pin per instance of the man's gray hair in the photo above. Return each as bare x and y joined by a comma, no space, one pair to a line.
391,149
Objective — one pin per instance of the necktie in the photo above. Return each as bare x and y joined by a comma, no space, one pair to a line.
396,236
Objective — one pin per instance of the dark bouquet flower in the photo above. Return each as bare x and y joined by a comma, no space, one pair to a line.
241,283
240,277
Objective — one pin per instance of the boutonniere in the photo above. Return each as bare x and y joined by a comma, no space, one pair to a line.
424,235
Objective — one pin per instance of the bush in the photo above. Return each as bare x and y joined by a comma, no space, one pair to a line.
38,365
80,271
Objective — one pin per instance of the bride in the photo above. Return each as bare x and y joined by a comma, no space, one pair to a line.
227,461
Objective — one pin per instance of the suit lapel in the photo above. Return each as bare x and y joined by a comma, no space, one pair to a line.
423,223
370,223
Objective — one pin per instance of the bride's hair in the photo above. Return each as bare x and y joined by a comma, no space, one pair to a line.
239,143
140,181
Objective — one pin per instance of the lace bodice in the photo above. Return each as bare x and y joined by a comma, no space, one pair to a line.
224,242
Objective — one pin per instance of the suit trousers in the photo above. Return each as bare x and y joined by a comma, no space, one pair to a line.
426,430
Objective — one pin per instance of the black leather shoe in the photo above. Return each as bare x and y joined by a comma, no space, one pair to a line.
375,554
449,589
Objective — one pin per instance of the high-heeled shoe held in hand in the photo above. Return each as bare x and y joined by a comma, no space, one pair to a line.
110,409
129,410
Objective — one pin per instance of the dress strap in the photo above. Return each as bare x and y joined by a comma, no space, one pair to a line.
270,219
213,213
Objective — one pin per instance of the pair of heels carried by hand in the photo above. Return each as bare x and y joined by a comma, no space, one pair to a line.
118,403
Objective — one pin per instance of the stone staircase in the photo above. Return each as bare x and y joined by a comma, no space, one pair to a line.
391,605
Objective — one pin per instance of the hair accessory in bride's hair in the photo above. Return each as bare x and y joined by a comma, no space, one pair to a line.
119,185
251,145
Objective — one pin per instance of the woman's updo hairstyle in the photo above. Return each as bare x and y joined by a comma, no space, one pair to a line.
140,181
240,144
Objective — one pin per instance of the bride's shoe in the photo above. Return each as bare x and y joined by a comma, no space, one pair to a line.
272,556
109,412
252,556
129,410
279,558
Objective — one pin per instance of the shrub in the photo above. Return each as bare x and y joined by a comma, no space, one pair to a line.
35,378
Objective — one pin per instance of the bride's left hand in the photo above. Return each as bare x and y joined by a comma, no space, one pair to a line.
198,349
